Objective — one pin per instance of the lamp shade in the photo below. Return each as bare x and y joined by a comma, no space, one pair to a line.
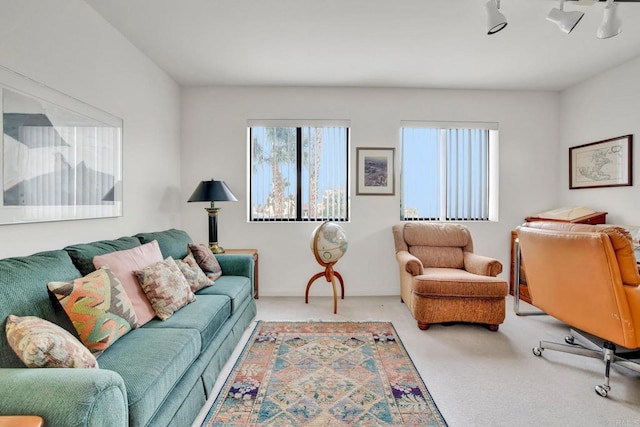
611,24
212,191
566,21
496,21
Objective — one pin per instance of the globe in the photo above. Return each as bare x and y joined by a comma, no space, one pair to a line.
330,242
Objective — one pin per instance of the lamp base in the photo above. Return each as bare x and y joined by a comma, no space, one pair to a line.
215,248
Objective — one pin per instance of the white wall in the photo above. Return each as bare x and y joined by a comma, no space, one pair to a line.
66,45
214,123
603,107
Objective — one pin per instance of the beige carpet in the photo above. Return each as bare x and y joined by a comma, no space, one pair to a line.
482,378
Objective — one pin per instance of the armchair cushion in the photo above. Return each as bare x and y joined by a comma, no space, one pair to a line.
439,256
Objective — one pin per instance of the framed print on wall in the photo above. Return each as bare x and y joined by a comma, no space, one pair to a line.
604,163
375,171
61,159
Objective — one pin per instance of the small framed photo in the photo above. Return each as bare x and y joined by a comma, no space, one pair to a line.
604,163
375,171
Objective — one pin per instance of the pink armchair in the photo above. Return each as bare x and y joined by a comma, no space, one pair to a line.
442,280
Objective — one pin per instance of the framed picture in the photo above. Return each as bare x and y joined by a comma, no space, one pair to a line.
375,171
601,164
61,159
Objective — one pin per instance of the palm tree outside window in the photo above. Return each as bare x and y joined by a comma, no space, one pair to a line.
299,173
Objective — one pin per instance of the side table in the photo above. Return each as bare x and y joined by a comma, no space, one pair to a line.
254,253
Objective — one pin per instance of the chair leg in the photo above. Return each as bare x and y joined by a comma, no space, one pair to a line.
423,325
609,353
493,327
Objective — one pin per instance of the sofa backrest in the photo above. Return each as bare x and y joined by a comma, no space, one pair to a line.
172,242
23,292
438,244
82,254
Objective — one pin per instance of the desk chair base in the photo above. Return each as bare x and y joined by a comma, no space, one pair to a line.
576,343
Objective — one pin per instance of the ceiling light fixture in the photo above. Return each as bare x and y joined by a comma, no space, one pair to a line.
566,21
496,21
611,24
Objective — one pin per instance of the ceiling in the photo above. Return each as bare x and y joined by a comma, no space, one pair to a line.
381,43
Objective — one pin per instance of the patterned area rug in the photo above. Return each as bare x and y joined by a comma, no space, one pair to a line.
324,374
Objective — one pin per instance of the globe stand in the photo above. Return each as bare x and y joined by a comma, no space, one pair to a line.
329,274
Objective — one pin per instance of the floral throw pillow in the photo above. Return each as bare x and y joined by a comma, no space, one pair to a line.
98,307
165,287
42,344
206,260
193,273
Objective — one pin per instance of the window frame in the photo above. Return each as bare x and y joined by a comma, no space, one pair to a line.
299,126
492,192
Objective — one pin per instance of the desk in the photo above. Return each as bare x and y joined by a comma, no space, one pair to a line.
254,253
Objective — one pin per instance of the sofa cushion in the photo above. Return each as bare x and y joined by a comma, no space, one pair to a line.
23,292
123,264
42,344
206,315
193,273
82,254
237,288
99,308
172,242
165,286
151,362
205,259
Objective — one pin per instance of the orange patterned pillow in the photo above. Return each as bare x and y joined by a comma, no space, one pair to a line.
99,308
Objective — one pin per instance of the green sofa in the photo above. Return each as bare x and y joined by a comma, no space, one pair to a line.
160,374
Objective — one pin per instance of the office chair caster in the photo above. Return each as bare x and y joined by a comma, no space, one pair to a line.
537,351
569,339
602,390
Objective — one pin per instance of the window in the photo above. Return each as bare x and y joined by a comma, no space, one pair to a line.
449,171
299,173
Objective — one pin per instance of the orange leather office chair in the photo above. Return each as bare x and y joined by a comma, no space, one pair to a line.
587,277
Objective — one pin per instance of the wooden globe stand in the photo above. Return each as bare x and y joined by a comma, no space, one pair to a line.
329,274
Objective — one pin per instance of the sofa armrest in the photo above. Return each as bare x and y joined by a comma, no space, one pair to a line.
482,265
237,265
65,396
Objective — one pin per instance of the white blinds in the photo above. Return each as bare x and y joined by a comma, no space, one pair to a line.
445,173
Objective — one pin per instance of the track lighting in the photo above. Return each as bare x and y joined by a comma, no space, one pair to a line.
496,21
611,24
566,21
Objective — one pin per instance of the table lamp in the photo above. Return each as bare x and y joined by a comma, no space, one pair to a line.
213,191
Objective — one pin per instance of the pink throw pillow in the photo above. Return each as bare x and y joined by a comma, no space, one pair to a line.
123,264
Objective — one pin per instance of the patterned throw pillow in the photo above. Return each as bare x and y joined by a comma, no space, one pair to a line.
193,273
165,287
99,308
206,260
42,344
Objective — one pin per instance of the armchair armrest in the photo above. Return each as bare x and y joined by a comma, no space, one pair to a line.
409,263
482,265
65,396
